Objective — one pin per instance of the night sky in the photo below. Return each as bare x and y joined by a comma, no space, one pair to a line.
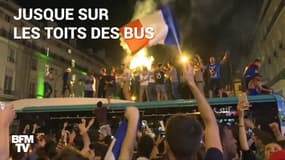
207,27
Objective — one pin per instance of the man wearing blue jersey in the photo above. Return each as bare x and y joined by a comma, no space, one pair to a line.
250,71
214,73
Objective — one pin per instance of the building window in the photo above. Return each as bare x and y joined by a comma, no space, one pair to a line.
34,64
8,84
73,63
275,54
281,45
11,56
33,86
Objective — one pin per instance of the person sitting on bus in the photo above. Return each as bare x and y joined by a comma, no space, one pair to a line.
255,86
250,70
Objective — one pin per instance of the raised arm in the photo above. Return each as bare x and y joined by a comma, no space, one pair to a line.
27,127
64,133
223,60
132,115
242,134
212,138
6,118
276,131
35,127
84,133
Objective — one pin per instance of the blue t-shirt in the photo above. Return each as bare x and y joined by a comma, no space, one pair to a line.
254,91
250,71
214,70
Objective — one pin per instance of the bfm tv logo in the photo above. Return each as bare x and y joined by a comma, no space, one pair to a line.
22,142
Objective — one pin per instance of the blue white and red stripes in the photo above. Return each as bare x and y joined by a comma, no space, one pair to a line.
164,29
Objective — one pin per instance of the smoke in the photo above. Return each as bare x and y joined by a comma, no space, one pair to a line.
216,26
141,9
208,27
211,13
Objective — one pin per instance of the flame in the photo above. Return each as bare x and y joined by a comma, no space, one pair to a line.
141,60
142,8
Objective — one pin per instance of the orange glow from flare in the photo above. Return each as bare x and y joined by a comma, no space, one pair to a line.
141,60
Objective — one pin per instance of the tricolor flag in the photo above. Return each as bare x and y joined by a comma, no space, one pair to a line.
164,26
114,149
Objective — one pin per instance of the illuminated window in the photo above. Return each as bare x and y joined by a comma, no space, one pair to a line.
8,82
73,78
47,51
73,63
275,54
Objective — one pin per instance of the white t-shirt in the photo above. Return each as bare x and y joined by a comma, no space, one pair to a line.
151,76
144,79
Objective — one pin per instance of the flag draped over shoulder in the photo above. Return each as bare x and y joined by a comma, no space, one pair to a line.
164,26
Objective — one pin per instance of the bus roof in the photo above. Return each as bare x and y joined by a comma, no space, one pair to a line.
87,104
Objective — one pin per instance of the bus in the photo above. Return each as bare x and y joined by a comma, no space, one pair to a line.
51,112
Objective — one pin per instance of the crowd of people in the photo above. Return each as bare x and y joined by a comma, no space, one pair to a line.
162,82
184,137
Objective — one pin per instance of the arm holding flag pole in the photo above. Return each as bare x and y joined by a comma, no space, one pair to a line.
132,114
123,143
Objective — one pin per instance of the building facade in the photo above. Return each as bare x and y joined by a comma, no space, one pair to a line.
24,62
269,44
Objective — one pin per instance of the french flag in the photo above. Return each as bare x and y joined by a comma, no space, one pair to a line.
164,26
114,150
